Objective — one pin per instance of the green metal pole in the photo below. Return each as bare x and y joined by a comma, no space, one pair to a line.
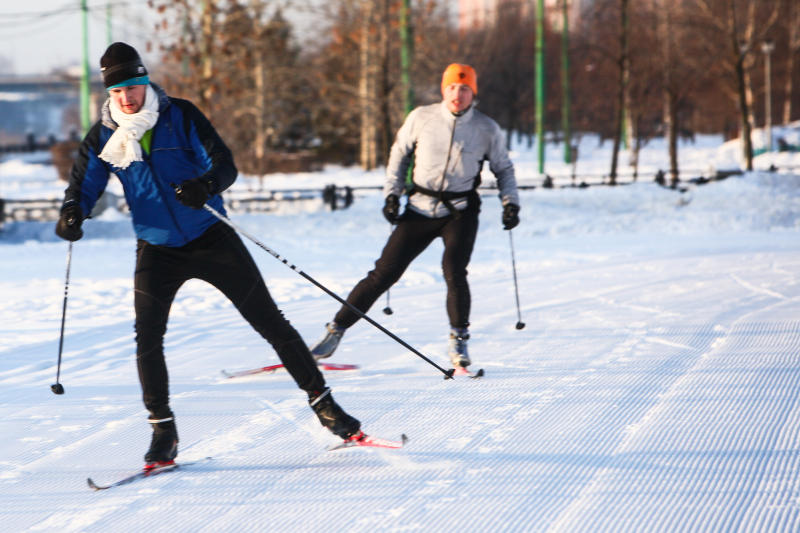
85,75
540,82
406,53
565,89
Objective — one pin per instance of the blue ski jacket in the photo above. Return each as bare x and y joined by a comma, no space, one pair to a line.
184,145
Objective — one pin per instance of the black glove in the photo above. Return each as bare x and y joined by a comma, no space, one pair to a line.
194,192
510,216
391,209
69,223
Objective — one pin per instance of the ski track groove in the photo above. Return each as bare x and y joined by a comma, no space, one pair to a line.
725,514
593,418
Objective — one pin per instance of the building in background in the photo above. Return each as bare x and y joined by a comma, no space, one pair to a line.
475,14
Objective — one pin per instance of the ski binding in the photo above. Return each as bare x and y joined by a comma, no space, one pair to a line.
463,371
361,439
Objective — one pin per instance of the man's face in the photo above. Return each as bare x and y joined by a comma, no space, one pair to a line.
457,97
129,99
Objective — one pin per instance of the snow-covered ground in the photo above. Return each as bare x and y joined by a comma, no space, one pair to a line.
654,387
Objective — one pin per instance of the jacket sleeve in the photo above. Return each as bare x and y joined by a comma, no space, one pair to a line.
89,175
502,168
207,143
400,157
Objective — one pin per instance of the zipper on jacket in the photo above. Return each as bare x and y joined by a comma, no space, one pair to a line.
446,163
157,181
157,177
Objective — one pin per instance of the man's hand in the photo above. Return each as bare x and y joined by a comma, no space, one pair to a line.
510,216
69,223
194,192
391,209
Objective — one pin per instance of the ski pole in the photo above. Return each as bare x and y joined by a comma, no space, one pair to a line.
388,309
447,373
520,323
57,387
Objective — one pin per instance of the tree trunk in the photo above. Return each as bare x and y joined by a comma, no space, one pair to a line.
748,91
787,88
624,76
744,113
260,127
670,113
672,132
208,36
740,50
386,84
366,84
794,45
636,144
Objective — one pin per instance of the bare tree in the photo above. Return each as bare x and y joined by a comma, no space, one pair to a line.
623,64
357,59
670,89
366,87
743,24
249,81
643,104
793,47
503,56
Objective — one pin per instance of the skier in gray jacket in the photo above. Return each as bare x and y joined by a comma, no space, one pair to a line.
449,142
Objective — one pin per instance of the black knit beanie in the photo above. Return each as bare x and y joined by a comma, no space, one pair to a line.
119,63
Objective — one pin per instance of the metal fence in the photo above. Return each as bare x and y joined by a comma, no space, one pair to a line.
330,197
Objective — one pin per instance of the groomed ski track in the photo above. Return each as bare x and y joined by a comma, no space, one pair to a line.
654,388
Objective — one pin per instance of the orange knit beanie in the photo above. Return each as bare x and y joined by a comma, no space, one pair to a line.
458,73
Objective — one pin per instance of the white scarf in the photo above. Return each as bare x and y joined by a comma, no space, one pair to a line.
123,146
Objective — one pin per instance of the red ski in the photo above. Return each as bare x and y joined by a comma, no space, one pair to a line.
274,368
360,439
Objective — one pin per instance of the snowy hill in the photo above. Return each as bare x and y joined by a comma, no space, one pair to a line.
654,387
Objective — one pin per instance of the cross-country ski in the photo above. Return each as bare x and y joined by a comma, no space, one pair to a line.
142,474
270,369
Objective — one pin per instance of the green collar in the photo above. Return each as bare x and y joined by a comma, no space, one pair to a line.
146,141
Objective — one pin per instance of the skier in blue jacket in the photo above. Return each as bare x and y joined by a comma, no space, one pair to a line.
171,162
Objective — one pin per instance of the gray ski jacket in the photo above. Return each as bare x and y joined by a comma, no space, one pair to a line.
449,152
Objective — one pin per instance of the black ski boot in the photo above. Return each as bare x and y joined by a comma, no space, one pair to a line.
332,416
457,350
327,344
164,444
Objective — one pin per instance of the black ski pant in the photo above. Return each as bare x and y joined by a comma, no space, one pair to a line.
412,235
220,258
